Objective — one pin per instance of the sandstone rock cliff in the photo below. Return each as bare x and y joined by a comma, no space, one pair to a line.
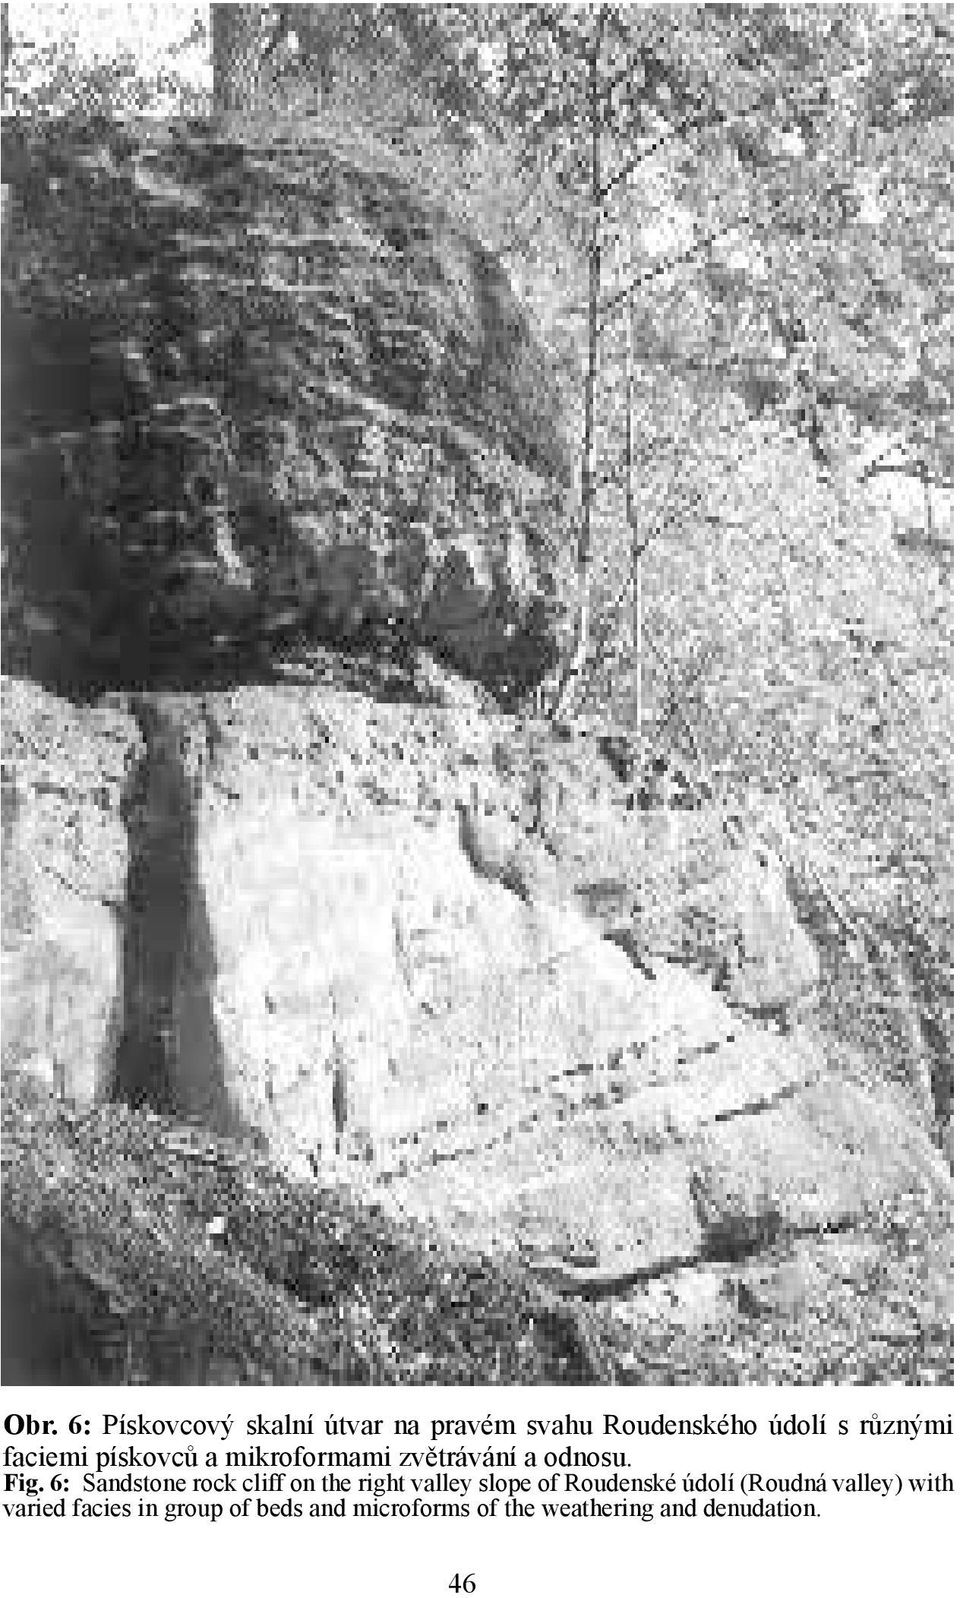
256,390
500,1033
311,958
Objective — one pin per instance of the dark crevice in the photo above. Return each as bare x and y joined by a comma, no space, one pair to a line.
728,1242
760,1106
169,1058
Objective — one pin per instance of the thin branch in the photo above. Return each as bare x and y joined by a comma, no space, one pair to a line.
676,709
613,301
716,116
702,119
608,621
573,668
519,240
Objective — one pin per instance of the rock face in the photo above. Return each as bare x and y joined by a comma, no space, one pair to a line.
256,910
343,976
309,959
679,884
64,888
743,926
259,390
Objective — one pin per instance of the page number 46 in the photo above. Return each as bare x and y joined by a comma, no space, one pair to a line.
463,1583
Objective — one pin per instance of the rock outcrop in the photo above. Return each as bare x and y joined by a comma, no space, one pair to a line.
311,957
252,391
65,863
327,1015
690,884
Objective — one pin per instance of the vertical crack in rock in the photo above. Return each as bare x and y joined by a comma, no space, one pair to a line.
169,1057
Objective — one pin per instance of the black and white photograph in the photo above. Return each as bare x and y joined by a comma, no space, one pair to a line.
477,723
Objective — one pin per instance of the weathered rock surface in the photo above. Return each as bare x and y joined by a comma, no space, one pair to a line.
682,885
310,955
64,887
370,997
255,390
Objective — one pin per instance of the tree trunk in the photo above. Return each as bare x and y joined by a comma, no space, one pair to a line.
578,656
633,522
928,502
